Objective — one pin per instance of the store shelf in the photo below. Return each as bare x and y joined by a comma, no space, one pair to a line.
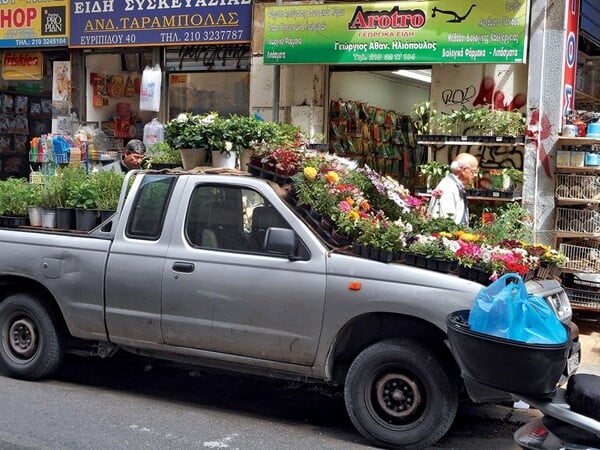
565,140
578,169
481,144
561,201
583,98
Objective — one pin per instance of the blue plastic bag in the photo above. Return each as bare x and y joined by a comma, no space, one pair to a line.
505,309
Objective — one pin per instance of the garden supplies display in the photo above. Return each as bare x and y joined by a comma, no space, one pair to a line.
57,149
374,136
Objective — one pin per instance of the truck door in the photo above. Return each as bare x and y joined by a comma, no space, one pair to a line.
136,262
222,292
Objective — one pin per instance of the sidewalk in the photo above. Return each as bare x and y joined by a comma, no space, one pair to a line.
589,337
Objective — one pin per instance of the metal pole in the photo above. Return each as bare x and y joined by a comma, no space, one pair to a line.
276,83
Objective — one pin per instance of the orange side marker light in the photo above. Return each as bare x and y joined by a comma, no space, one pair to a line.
354,285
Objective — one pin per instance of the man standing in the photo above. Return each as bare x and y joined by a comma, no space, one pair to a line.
451,197
132,157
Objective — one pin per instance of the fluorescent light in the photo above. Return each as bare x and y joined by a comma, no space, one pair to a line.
419,75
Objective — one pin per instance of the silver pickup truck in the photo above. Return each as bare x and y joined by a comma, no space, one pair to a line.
219,270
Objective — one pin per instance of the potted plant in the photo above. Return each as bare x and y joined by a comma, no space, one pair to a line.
84,199
161,155
189,133
63,184
433,171
35,211
14,200
422,116
108,185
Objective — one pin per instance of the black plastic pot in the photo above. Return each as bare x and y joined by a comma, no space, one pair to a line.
511,366
65,218
86,219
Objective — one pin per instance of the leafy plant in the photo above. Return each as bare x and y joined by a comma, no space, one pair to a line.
14,197
512,222
190,130
108,185
85,196
64,183
423,113
434,171
161,153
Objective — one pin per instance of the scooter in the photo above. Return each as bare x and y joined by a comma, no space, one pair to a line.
571,418
497,370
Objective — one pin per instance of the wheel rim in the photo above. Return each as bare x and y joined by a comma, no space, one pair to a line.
22,338
396,397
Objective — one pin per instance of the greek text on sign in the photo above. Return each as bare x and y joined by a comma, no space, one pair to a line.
397,32
159,22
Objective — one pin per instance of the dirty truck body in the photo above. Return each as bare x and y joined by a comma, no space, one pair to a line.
220,271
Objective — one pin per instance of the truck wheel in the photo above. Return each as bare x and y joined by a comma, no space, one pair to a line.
31,342
398,395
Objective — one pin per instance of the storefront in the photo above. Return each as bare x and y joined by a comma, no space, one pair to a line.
33,46
202,54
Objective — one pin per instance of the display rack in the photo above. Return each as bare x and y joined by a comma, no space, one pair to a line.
577,219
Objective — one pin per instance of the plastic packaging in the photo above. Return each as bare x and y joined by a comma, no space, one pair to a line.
505,309
150,89
153,132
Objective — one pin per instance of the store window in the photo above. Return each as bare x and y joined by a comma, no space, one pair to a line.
209,78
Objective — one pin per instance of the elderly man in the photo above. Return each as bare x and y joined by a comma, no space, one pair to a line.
449,198
132,157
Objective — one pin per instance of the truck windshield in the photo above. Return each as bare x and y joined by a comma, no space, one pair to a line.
150,206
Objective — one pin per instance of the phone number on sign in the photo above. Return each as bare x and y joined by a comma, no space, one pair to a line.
201,36
196,36
37,42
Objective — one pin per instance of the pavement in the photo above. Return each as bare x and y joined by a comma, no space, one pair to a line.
589,337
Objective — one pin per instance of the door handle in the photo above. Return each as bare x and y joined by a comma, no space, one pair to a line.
183,267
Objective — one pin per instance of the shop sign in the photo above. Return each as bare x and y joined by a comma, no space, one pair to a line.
134,23
570,58
26,24
22,65
406,32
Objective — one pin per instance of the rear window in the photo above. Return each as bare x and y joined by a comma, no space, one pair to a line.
150,207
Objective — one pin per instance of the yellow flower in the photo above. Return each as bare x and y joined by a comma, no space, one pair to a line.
468,237
353,215
310,173
332,177
446,234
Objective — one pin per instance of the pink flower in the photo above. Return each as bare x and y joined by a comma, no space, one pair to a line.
437,193
344,206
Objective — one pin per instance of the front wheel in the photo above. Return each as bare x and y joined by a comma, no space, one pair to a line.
31,342
398,395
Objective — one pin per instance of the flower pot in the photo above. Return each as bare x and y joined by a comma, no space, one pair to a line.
105,214
85,219
421,261
410,258
35,215
65,218
245,159
374,253
326,224
356,248
193,157
463,272
15,221
222,160
49,218
340,239
386,256
432,264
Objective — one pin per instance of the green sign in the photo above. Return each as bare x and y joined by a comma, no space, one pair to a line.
403,32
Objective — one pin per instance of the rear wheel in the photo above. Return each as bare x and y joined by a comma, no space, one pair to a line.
31,343
398,395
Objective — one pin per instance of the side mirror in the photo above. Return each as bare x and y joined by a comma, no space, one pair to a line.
281,241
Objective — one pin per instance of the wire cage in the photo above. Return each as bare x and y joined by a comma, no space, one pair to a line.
583,255
578,220
571,186
582,293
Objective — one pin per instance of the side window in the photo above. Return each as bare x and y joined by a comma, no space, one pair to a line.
150,206
230,218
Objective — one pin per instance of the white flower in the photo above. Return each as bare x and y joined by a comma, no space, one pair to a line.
228,146
182,118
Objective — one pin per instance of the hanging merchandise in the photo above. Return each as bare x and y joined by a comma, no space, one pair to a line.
153,132
150,89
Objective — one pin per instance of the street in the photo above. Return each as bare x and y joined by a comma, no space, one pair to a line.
130,402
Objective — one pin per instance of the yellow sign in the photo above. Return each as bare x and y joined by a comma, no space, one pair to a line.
23,25
22,65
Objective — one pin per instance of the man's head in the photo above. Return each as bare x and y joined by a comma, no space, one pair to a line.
465,167
135,150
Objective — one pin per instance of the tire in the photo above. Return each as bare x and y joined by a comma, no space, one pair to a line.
32,344
423,405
